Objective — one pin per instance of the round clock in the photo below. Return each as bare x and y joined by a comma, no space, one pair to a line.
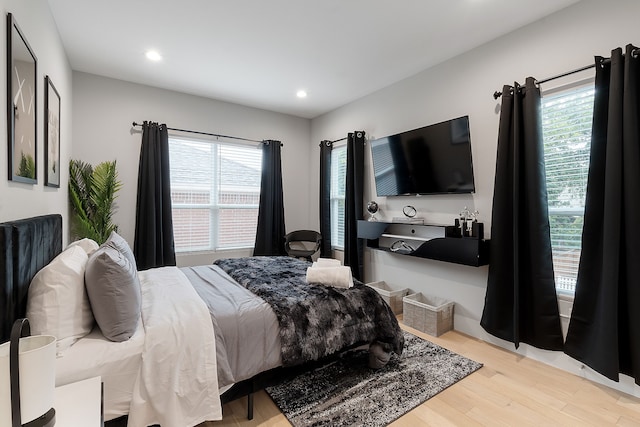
409,211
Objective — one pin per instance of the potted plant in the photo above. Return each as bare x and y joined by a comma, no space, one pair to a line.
92,192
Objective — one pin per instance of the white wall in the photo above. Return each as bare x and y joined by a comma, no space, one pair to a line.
19,200
104,110
464,85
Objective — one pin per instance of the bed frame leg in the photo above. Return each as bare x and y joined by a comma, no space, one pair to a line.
250,406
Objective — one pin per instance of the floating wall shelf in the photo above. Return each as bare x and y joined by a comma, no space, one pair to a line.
439,242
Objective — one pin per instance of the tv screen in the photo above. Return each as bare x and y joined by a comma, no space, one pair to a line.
434,159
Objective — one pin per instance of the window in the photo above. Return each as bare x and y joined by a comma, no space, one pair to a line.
215,191
338,188
566,130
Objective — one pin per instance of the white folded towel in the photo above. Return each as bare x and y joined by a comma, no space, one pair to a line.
338,277
327,262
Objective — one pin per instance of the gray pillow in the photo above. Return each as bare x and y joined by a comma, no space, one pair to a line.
117,242
114,292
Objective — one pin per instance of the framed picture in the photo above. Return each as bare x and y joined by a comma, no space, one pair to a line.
52,134
21,106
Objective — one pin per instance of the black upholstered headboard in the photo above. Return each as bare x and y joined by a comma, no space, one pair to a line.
26,245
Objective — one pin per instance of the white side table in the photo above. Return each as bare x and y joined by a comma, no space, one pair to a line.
79,404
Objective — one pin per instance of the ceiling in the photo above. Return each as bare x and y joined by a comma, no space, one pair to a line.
259,53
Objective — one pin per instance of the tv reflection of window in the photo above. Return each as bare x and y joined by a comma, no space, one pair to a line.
384,167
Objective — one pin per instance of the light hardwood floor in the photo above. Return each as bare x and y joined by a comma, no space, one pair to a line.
509,390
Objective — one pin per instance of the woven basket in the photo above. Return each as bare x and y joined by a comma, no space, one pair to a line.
428,314
393,297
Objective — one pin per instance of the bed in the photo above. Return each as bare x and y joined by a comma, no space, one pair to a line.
245,342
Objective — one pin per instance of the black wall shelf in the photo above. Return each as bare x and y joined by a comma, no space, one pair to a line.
439,242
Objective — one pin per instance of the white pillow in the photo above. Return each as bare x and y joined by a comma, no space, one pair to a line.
57,303
89,246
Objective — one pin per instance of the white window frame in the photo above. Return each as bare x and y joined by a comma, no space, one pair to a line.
215,207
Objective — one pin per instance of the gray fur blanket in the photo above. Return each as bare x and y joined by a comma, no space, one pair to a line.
315,320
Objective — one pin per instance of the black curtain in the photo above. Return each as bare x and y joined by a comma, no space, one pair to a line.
354,194
271,231
604,331
153,244
521,303
325,197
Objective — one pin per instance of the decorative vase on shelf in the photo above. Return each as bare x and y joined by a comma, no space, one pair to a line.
372,208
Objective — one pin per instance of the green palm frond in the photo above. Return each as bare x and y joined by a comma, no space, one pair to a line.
105,186
92,193
79,187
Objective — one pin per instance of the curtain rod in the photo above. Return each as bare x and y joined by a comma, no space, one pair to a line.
207,133
326,141
635,52
497,94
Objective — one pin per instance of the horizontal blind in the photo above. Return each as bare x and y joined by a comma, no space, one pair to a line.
238,195
566,128
338,190
384,169
215,191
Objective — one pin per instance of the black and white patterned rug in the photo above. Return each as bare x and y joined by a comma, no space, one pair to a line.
349,393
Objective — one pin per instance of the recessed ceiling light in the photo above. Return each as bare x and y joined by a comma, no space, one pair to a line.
301,94
153,55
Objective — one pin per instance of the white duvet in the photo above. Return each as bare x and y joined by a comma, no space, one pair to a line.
177,385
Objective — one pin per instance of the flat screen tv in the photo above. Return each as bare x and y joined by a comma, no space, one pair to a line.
434,159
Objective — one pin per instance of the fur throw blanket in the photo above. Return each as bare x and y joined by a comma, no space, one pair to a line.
315,320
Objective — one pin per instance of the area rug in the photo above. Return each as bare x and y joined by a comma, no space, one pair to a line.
349,393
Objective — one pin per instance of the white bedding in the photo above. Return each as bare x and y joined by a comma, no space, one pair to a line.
177,384
117,363
145,376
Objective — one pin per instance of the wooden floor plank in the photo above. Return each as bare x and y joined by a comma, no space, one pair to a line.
547,410
443,411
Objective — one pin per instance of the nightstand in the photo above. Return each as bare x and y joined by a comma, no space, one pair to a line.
79,404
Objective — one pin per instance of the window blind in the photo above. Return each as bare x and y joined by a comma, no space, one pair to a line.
338,189
215,190
566,127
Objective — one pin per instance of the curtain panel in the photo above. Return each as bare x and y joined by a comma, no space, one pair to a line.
326,147
520,303
271,229
354,195
604,330
153,243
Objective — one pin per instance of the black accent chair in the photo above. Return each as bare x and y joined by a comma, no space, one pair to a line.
298,243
